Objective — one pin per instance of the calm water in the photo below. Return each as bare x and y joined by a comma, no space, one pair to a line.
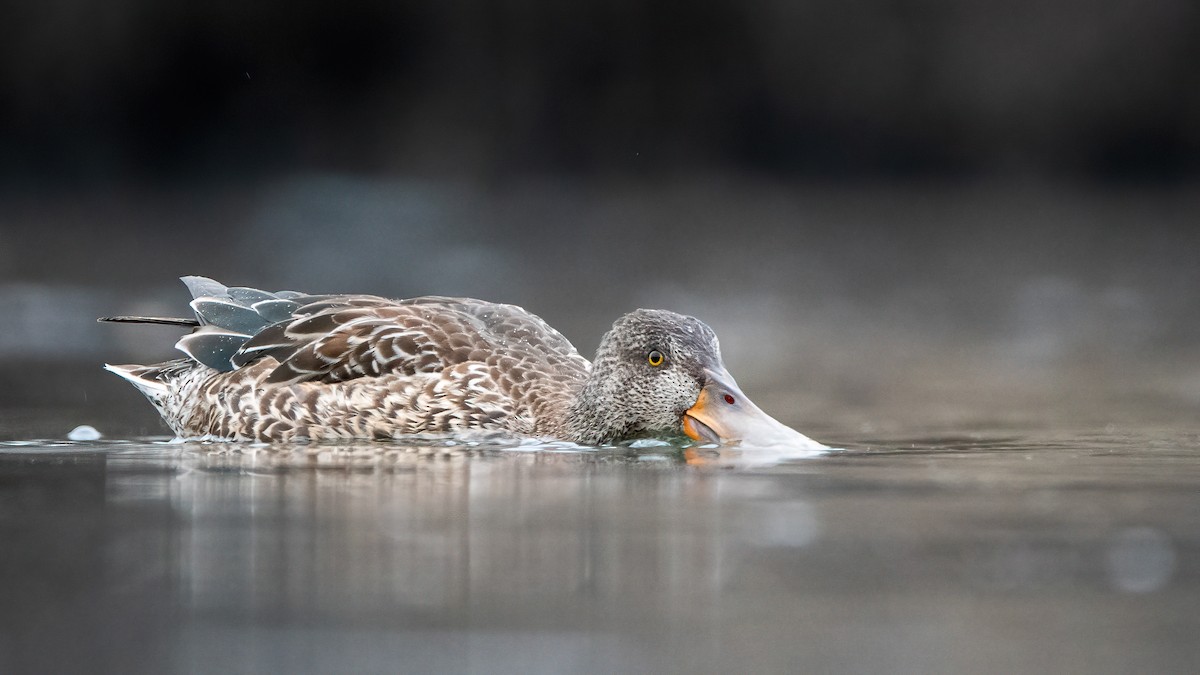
991,552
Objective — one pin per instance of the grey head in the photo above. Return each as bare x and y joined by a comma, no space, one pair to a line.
658,373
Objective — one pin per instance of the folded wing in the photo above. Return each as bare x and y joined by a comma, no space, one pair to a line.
335,338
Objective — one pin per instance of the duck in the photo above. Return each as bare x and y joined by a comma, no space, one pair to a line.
287,366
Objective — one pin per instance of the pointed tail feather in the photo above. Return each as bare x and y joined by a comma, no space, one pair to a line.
157,377
142,377
160,320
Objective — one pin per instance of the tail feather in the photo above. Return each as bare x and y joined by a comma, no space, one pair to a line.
225,319
142,377
168,386
160,320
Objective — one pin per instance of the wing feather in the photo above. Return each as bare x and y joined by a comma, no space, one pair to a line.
340,338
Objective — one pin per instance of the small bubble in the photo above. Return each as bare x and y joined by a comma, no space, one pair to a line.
84,432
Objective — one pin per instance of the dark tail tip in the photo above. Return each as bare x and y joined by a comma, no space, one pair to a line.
160,320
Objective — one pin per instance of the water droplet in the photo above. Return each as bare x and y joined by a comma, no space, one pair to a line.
84,432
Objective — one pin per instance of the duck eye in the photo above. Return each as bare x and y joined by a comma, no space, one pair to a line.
655,358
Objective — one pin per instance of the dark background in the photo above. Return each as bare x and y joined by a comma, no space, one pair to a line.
959,213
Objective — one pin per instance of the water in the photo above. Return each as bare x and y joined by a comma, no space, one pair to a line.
1015,550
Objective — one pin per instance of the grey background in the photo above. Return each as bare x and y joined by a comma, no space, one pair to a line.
951,214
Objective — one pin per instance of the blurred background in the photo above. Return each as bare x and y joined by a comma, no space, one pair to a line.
894,212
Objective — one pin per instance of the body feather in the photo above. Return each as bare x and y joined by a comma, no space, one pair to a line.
359,366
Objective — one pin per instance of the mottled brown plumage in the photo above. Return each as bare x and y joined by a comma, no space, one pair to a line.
286,366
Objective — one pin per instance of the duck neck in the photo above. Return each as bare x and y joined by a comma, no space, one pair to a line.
595,415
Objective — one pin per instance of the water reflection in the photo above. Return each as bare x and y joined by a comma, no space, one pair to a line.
228,558
538,548
1140,559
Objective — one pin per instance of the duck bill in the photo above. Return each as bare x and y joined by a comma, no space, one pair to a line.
723,414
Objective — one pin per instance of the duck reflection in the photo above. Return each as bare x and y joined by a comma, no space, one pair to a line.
397,531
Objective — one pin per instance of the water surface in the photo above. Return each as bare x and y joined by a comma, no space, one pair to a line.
1034,551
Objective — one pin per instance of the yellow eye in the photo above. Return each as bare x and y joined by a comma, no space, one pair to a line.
655,358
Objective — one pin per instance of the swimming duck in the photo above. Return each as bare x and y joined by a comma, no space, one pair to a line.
287,366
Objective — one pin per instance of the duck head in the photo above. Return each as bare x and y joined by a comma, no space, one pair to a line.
658,373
